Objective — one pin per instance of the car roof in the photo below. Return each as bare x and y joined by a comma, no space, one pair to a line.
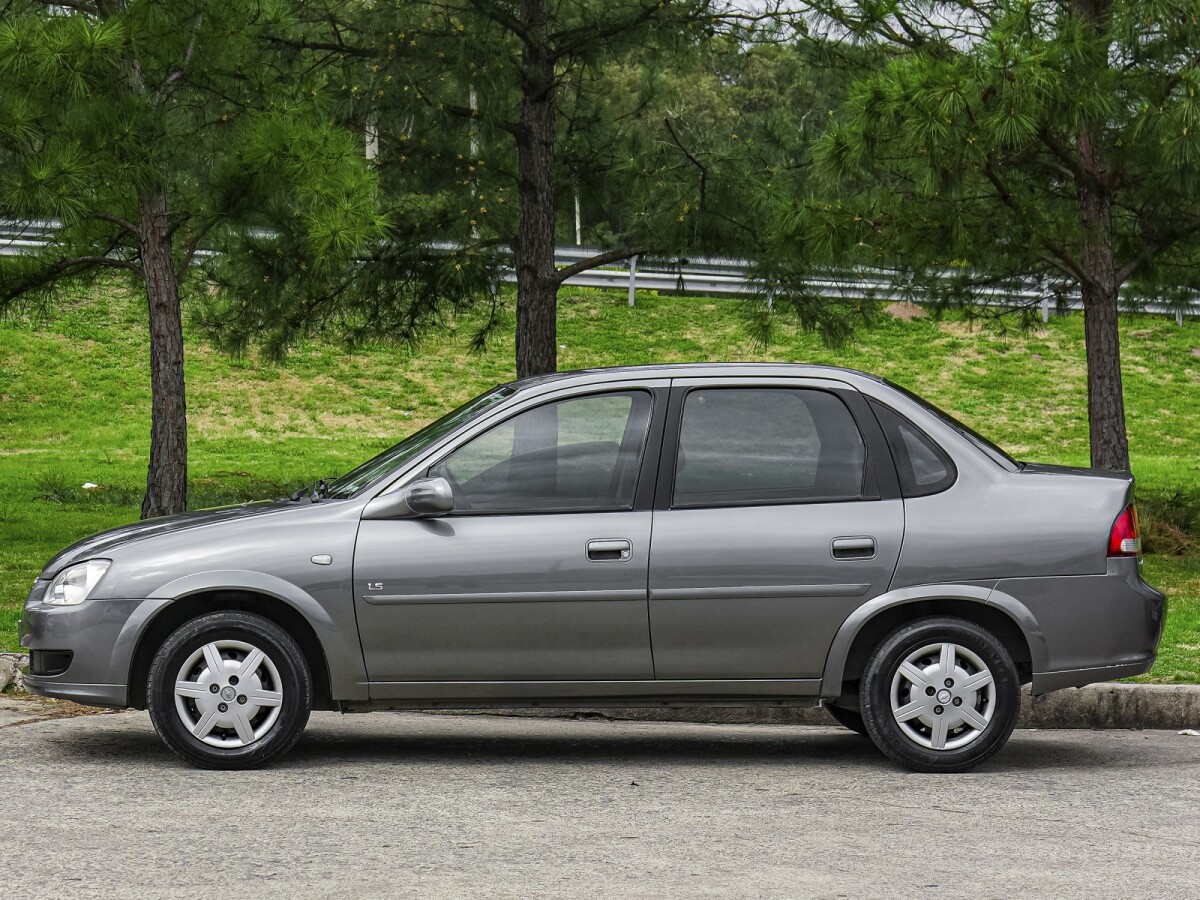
694,370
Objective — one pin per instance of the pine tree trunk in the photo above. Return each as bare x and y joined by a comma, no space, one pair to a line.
537,281
166,479
1102,337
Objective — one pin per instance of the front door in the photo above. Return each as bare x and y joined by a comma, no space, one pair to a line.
540,572
771,533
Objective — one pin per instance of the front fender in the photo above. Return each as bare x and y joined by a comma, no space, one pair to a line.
347,672
983,594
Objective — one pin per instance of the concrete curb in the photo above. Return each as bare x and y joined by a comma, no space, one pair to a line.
1138,706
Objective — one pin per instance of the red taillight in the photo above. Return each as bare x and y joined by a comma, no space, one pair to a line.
1123,540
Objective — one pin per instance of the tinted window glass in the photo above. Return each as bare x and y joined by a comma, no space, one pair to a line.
578,454
396,456
767,445
923,467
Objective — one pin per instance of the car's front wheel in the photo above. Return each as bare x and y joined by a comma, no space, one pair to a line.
229,690
940,695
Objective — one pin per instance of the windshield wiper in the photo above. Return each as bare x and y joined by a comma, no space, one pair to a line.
313,492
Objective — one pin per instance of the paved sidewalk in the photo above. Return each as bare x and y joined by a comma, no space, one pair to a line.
412,805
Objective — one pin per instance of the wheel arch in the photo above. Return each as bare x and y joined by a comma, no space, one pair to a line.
301,617
1003,615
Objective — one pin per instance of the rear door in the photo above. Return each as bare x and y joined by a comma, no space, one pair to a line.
777,514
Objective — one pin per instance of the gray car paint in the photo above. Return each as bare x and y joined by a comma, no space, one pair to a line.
1031,543
473,598
755,592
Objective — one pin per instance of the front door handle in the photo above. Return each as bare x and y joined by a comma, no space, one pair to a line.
609,550
853,547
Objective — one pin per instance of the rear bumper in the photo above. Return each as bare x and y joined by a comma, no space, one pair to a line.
1093,627
1045,682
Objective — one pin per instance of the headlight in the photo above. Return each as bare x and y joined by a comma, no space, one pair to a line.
73,584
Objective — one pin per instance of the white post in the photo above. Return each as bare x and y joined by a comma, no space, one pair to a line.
632,278
473,100
578,222
372,140
1045,309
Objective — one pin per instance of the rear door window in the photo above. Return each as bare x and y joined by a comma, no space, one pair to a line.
765,445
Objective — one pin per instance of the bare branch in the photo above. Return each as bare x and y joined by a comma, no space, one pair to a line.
164,89
326,46
600,259
1062,152
1057,252
462,112
692,159
192,248
124,224
504,19
64,268
1154,247
572,40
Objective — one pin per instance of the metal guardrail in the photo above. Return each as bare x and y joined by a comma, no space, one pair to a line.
727,276
706,276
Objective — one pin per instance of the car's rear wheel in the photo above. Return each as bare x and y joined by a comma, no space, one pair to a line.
940,695
229,690
850,718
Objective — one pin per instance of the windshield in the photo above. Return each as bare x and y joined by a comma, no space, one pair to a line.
353,482
996,454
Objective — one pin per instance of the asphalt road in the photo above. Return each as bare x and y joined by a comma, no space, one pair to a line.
411,805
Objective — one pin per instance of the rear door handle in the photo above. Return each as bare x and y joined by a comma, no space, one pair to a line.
853,547
609,550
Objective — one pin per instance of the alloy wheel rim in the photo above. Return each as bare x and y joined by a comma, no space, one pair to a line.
228,694
943,696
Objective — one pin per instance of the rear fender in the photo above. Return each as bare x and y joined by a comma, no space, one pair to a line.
981,594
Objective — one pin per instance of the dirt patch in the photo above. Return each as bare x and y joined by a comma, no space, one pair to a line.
44,709
904,311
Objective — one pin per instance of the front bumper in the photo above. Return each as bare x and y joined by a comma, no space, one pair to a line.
101,636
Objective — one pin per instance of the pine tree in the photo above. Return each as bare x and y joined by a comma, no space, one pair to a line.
490,106
142,129
1055,139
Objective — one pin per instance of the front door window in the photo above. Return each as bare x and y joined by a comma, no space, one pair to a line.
580,455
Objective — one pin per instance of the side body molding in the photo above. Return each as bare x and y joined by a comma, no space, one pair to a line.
985,594
347,672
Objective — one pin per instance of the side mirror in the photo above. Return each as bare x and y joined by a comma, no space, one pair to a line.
423,497
430,496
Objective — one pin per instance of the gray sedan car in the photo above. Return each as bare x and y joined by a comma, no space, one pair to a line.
714,535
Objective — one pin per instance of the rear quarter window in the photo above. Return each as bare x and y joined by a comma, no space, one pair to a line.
922,466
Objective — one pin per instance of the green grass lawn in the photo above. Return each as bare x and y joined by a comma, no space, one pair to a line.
74,408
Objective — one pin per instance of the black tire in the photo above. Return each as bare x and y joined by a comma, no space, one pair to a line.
850,718
999,706
284,662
